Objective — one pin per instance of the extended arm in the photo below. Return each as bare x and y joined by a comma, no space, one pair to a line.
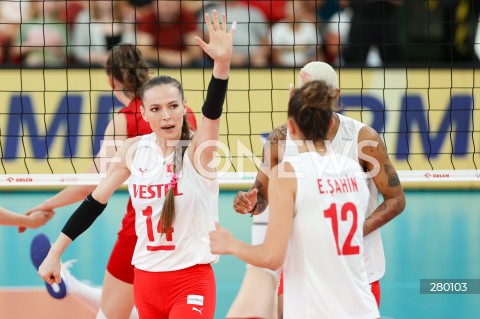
34,220
115,135
376,161
220,50
271,253
85,215
272,154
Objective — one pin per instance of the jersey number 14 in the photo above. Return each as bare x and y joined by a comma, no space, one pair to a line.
147,212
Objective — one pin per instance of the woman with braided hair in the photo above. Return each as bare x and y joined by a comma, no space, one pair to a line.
127,72
174,194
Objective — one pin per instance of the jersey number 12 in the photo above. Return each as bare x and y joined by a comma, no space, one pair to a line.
331,212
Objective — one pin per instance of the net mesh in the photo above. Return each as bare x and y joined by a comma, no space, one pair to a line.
52,119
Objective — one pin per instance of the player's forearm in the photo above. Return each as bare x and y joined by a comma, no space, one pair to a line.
261,183
385,212
60,245
221,69
262,203
257,255
68,196
8,218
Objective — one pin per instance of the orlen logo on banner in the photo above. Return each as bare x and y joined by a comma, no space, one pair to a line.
445,175
19,179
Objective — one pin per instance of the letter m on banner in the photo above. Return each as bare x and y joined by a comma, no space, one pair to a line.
454,127
35,129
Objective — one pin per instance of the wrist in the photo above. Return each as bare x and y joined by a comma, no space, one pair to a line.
46,205
55,251
25,220
59,246
234,247
221,70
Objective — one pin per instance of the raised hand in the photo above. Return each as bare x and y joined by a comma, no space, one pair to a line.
220,46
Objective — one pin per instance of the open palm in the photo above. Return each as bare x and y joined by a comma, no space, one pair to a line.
220,47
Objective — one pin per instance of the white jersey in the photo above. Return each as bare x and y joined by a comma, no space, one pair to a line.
345,143
324,271
196,207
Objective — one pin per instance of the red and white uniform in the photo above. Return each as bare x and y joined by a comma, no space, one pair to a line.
345,143
345,140
196,206
324,271
120,262
136,126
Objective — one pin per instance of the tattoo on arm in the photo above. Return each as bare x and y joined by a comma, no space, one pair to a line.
382,206
262,202
278,134
374,221
393,180
257,184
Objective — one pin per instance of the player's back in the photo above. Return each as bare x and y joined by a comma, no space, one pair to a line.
324,269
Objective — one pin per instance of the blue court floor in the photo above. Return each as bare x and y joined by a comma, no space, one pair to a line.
437,237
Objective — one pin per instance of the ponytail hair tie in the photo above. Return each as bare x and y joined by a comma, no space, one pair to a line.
173,181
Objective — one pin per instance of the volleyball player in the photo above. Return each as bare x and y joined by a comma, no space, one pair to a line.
317,208
34,220
127,72
349,137
174,193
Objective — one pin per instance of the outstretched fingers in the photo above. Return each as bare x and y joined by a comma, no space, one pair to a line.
208,22
216,23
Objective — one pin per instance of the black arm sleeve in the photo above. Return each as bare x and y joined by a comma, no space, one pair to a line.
83,217
212,107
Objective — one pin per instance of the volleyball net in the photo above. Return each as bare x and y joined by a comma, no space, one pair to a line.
52,120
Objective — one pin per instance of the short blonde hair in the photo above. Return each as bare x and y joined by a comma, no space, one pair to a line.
320,71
